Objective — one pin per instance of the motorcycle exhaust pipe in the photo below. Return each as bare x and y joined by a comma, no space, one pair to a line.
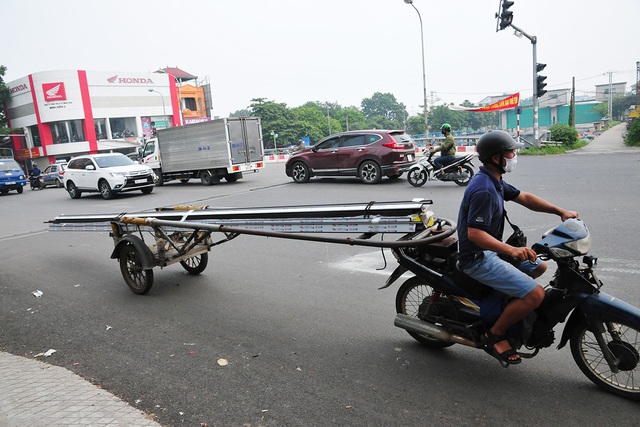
417,326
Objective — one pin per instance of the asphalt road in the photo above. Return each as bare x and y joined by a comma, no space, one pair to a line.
308,337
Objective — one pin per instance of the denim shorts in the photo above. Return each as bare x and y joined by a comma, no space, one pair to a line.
502,276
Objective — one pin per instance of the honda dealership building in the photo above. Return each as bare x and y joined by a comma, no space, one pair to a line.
66,113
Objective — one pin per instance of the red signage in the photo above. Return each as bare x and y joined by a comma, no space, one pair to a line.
504,104
54,92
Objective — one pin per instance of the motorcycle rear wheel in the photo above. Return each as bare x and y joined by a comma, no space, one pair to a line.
588,356
411,294
417,177
468,171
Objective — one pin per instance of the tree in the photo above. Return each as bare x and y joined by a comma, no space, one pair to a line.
633,137
351,118
621,104
4,97
415,125
241,113
275,117
310,122
383,111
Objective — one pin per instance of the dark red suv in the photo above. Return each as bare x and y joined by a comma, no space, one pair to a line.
366,154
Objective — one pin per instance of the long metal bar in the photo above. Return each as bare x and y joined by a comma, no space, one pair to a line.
423,239
290,225
370,209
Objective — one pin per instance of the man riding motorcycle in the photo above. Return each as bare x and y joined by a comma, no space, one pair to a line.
447,149
480,228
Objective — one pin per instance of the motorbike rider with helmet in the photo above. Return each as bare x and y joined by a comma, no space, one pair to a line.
34,177
447,149
480,228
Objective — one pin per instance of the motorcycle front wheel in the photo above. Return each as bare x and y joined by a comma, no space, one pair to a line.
624,343
417,177
411,295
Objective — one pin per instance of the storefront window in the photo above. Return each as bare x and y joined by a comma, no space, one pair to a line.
35,136
68,131
77,130
123,127
100,126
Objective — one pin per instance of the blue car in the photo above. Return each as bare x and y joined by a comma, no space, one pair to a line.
12,176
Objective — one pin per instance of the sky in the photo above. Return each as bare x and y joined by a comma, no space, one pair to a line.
338,51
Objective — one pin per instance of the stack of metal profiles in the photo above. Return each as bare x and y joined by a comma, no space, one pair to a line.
371,217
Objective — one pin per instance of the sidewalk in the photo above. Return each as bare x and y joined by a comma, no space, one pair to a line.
33,393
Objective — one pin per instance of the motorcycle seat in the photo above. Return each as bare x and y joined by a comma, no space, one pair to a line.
469,284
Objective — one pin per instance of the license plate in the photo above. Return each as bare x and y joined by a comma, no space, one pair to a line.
140,181
10,183
410,157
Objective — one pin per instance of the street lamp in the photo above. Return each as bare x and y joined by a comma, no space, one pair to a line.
164,111
424,74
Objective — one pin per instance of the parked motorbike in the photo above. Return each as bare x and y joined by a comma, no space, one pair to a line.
36,182
460,171
441,306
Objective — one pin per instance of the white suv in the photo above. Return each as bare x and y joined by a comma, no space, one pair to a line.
108,174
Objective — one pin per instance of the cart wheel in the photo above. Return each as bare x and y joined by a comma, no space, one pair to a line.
139,281
197,264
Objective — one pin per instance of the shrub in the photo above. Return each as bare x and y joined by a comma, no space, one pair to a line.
633,136
564,133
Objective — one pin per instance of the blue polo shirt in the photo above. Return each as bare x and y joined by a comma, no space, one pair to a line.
482,207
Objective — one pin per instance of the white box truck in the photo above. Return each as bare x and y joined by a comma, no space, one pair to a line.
210,151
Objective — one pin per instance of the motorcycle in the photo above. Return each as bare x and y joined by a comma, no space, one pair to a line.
459,171
441,306
36,182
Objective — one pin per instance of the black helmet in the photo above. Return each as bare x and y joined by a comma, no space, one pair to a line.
495,142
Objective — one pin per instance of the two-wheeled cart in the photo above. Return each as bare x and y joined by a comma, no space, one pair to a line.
184,234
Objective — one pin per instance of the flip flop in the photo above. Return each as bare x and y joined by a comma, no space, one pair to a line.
489,340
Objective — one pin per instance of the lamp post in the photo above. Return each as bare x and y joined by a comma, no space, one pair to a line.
164,111
424,73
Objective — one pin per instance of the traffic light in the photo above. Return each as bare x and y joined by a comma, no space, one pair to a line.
540,84
506,16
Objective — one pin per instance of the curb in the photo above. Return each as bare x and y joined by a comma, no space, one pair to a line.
34,393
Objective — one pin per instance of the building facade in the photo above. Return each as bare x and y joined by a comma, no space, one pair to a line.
69,112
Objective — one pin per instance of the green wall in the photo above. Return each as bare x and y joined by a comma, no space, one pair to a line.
584,114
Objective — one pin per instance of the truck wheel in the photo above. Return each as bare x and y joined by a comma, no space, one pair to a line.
19,190
207,178
233,177
159,180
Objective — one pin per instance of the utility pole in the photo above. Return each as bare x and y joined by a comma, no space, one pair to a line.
610,110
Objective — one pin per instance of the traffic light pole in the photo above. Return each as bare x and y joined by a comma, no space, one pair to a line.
534,43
